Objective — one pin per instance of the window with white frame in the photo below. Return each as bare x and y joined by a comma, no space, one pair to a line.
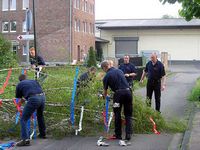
25,4
12,4
5,26
24,26
13,26
74,3
5,5
75,25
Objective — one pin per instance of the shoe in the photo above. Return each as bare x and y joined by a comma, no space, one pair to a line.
42,136
128,142
122,143
23,143
128,137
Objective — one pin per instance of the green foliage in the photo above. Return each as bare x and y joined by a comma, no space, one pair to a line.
195,93
58,90
92,58
7,58
190,8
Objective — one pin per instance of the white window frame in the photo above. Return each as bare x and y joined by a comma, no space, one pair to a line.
13,4
4,6
3,23
11,26
25,4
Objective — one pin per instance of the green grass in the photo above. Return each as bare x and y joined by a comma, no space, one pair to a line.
58,89
195,92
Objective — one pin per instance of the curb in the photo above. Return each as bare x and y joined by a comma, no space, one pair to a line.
175,142
187,133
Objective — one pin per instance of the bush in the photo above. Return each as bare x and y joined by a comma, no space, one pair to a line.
92,58
7,58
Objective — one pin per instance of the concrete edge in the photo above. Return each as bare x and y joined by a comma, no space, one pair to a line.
187,133
175,143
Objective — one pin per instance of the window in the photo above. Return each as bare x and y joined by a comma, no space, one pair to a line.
24,26
14,49
4,5
84,27
25,4
13,26
12,4
126,45
4,26
77,25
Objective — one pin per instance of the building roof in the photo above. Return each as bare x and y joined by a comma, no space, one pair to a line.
148,23
100,40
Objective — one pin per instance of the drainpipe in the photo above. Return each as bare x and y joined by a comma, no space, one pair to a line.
70,32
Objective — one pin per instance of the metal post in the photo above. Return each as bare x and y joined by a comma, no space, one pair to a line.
27,41
34,30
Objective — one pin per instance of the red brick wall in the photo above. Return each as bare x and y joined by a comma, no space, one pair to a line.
84,39
53,28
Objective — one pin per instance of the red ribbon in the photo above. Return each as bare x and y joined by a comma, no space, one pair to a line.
0,102
6,82
104,118
18,106
154,126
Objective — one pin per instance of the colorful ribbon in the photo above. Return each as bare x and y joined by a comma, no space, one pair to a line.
19,110
105,114
80,121
154,126
73,97
6,146
6,82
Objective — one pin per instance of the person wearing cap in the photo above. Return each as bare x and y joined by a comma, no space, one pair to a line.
129,70
156,80
32,92
116,80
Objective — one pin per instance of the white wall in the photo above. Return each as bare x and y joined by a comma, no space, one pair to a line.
181,44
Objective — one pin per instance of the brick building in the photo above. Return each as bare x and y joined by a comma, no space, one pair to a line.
64,28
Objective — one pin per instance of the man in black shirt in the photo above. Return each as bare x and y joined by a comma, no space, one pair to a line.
116,80
37,63
32,92
86,77
156,79
129,70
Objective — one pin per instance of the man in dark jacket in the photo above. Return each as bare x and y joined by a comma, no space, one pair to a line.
32,92
116,80
129,70
156,80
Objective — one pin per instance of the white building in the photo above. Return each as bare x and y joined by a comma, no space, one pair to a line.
179,38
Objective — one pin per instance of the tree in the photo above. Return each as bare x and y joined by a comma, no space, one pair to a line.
92,58
7,58
190,8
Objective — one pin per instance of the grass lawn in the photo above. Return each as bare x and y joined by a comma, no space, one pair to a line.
58,89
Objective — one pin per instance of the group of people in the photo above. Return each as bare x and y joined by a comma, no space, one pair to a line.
120,81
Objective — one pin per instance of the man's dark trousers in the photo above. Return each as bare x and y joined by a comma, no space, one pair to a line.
154,86
36,102
124,98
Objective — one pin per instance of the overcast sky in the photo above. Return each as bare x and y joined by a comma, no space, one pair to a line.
131,9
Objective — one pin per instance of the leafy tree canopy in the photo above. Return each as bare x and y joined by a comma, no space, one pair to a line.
190,8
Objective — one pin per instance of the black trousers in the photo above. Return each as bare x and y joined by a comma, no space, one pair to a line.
154,86
124,98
